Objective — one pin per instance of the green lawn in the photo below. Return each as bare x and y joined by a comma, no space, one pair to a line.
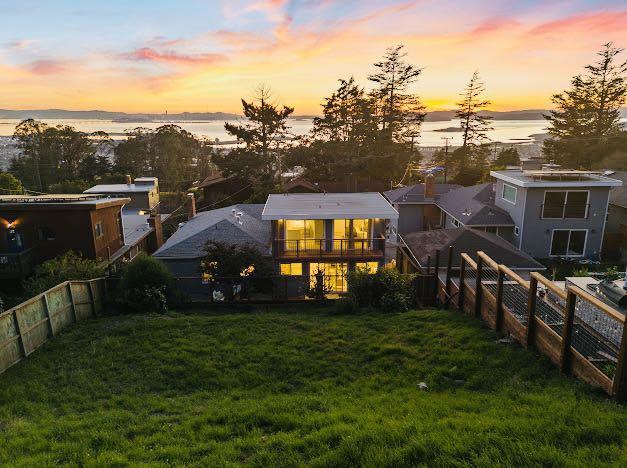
299,387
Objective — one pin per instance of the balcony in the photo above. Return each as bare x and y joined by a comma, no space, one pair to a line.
329,248
16,265
564,211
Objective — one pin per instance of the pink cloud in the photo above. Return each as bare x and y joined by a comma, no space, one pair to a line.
603,22
47,66
152,55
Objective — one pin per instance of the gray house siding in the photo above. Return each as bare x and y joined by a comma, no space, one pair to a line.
410,218
188,276
537,232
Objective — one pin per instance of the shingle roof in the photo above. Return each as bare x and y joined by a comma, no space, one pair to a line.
425,243
618,195
416,193
219,225
474,206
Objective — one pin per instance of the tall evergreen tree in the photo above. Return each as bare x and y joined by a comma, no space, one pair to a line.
474,125
587,114
263,133
399,110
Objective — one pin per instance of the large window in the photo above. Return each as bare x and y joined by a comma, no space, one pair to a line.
304,234
568,242
509,193
334,274
291,269
565,204
351,233
369,267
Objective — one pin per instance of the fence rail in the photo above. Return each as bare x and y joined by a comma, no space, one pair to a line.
27,326
581,334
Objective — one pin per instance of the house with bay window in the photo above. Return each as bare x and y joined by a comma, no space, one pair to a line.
555,213
329,232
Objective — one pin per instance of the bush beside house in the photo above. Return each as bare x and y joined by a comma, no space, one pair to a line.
146,285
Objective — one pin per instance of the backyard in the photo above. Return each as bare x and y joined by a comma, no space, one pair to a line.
290,387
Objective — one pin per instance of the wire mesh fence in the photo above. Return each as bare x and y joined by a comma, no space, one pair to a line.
515,298
550,309
596,336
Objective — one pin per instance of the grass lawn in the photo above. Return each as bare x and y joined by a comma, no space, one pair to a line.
291,387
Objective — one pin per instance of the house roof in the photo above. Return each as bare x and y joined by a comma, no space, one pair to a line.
474,206
416,193
219,225
328,206
423,244
121,188
214,179
300,182
555,178
56,202
618,196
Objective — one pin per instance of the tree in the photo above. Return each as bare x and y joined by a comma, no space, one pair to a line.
10,185
54,154
69,266
587,114
170,153
474,125
399,111
263,133
508,157
233,263
69,186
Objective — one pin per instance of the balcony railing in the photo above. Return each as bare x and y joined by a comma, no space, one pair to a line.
564,211
16,265
319,248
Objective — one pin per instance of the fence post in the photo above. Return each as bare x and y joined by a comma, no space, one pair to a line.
569,318
449,268
436,267
500,275
92,298
18,328
47,312
462,279
478,288
72,301
619,385
531,310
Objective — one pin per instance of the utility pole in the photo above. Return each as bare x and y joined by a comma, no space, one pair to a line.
446,139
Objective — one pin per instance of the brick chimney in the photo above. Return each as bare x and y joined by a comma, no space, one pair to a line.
155,240
128,179
430,186
191,210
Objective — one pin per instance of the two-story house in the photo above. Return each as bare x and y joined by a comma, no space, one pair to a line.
329,232
556,213
143,192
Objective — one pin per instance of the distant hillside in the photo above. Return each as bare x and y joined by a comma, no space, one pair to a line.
529,114
105,115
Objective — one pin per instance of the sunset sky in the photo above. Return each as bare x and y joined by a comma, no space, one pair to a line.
200,55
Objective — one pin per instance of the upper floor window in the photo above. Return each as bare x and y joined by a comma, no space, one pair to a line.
509,193
455,223
98,230
565,204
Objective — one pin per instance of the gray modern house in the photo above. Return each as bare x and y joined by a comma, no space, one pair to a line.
555,213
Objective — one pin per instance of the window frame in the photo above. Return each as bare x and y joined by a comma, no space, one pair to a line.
98,230
587,204
515,193
291,266
570,231
516,231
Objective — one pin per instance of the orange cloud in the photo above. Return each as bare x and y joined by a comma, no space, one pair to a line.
152,55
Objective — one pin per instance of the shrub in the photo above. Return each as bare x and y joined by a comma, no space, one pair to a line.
319,288
386,289
69,266
145,285
346,305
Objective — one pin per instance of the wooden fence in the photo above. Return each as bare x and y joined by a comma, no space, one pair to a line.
27,326
582,335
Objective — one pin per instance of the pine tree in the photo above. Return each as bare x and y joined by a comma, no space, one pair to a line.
474,125
400,111
587,115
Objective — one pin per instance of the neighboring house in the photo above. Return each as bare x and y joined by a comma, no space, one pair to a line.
218,189
184,251
300,185
556,213
615,240
418,250
329,232
143,192
37,228
416,205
